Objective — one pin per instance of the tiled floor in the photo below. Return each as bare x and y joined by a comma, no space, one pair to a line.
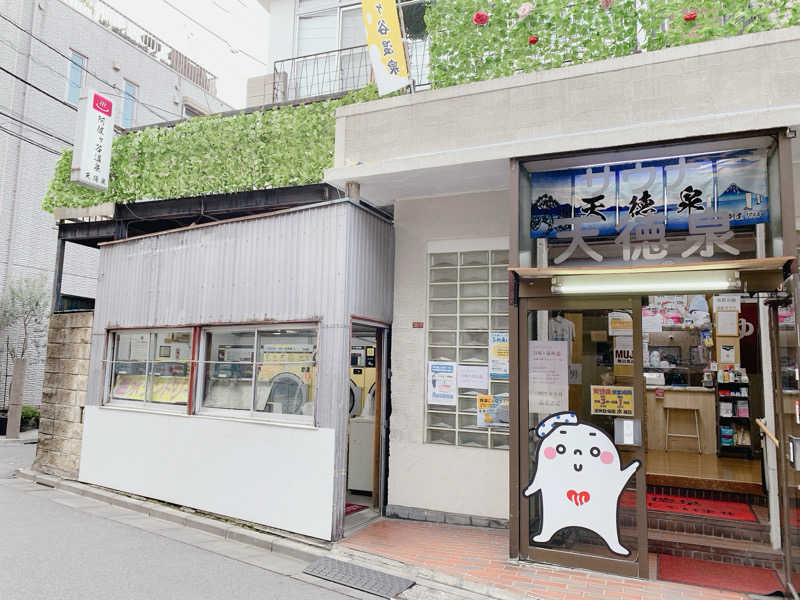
481,555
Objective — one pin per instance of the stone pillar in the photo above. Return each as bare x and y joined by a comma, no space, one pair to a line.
15,400
64,394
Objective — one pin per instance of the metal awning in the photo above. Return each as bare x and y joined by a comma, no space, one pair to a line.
746,275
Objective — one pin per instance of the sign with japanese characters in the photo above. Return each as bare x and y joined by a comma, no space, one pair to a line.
385,45
91,156
498,354
548,376
442,385
492,411
698,198
614,400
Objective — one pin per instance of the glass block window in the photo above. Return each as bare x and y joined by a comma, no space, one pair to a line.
467,300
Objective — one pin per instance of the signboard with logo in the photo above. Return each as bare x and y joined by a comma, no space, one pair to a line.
638,203
91,155
385,45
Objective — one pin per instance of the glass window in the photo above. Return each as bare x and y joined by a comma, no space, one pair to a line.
467,310
266,373
75,76
129,104
150,367
189,111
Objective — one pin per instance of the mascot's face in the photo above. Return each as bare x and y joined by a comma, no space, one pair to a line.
578,450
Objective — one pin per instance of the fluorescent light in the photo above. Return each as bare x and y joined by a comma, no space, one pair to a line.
625,283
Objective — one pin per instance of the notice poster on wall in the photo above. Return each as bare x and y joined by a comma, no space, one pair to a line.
620,323
727,303
623,355
474,377
615,400
548,377
492,411
442,384
498,354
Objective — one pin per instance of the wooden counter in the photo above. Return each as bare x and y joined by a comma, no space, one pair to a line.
682,421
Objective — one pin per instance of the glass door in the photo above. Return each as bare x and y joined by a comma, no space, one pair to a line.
582,464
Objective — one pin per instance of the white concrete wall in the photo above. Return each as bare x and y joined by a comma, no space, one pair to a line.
240,469
446,478
27,233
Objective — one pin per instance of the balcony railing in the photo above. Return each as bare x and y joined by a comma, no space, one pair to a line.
113,20
339,71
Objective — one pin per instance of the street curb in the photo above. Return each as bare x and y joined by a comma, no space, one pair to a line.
299,550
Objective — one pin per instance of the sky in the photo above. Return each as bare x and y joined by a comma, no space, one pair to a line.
243,26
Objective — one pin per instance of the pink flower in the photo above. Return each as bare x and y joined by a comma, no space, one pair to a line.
533,39
690,16
524,10
480,18
606,4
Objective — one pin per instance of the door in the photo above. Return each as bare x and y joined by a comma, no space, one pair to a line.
784,356
581,406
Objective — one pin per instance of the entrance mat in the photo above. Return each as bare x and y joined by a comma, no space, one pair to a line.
359,578
736,578
680,505
349,509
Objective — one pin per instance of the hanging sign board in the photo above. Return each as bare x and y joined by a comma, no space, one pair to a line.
548,377
385,45
727,303
498,354
615,400
442,385
91,155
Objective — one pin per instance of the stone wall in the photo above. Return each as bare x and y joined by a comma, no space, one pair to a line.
64,394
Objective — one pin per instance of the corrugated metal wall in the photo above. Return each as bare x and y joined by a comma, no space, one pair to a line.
326,263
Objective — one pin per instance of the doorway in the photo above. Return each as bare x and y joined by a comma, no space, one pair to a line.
366,405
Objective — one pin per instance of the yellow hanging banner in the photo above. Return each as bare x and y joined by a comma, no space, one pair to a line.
385,45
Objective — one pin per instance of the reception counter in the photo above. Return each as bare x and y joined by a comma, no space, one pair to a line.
682,421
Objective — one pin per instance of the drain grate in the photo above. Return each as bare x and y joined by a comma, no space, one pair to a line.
359,578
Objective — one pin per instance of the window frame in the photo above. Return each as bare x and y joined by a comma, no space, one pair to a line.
146,404
198,405
497,438
134,101
83,66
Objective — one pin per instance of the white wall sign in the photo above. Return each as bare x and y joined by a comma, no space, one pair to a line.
623,350
498,354
91,155
442,385
473,377
548,376
728,302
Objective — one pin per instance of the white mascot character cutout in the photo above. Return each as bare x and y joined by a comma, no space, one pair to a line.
579,476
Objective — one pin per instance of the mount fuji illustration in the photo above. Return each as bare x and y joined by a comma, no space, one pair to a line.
734,189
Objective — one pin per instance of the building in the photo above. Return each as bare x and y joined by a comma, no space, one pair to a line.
73,47
319,49
547,228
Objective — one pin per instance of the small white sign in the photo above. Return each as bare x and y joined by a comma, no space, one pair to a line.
548,377
91,155
627,432
727,302
442,383
474,377
652,324
623,350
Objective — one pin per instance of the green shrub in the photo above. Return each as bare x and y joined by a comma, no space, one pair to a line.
30,417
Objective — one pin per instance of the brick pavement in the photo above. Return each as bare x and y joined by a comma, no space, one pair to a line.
481,555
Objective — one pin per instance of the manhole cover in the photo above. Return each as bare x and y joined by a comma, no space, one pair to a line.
359,578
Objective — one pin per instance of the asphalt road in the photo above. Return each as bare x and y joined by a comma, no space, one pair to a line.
55,545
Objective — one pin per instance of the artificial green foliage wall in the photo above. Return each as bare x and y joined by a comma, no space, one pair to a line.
579,31
285,146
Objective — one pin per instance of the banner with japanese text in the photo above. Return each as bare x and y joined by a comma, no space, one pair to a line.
636,204
385,45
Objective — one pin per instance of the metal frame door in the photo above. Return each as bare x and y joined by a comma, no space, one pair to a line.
638,565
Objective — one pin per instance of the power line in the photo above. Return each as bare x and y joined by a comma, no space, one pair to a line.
38,89
214,33
35,128
81,67
30,141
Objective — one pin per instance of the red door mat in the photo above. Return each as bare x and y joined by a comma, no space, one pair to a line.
349,509
718,509
737,578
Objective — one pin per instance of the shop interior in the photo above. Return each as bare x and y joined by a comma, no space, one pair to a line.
363,450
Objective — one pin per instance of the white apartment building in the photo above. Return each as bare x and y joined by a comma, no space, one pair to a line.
60,47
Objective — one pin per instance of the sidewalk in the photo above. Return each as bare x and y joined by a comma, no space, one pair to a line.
25,437
448,562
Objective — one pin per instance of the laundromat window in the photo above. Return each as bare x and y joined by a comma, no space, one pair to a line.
265,373
467,349
150,368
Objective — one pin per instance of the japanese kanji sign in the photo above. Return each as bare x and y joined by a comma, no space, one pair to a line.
636,205
91,156
385,44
